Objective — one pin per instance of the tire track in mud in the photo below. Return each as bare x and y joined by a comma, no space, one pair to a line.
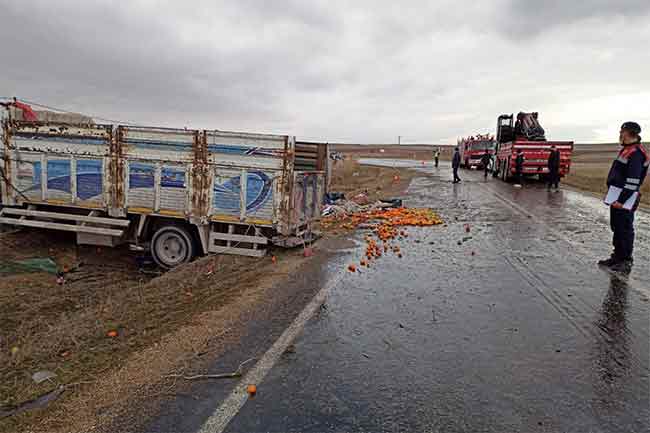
580,318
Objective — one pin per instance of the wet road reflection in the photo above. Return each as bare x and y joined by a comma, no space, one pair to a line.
612,363
508,328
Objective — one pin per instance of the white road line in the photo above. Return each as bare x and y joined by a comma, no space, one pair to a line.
218,421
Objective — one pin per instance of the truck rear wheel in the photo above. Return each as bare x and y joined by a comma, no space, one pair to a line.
172,245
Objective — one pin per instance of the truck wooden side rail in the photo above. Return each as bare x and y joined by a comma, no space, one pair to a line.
180,192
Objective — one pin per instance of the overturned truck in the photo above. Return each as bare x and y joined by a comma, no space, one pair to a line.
178,192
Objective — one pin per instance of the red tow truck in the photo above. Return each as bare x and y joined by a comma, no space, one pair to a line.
527,134
473,148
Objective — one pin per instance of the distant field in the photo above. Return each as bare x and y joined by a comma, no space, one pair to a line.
591,163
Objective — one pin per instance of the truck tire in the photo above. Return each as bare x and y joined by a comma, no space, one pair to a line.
495,168
172,245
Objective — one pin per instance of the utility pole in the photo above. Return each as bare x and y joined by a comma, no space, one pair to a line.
399,140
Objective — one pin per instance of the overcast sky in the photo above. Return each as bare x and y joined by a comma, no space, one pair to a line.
362,71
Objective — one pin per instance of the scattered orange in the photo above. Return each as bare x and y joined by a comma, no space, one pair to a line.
112,333
352,268
251,389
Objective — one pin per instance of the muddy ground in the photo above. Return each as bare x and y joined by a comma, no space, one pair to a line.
177,322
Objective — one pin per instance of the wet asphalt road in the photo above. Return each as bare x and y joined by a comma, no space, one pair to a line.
526,335
523,335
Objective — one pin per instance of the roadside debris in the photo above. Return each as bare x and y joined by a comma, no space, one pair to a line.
361,199
236,373
37,403
42,376
29,265
333,197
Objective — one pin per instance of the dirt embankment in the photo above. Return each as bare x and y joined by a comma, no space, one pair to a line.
111,333
393,151
351,178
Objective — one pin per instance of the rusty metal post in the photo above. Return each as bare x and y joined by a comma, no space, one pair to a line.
116,205
199,176
7,197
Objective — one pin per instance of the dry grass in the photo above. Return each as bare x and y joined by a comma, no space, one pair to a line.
63,328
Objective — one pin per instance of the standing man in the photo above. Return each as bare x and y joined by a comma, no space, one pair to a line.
436,156
625,178
486,159
554,168
519,167
455,164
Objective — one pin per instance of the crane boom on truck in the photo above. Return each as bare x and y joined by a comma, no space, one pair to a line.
526,134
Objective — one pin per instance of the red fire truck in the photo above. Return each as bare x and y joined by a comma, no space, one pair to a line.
527,134
473,148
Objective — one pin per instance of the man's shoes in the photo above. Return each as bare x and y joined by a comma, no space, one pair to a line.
624,267
608,263
617,265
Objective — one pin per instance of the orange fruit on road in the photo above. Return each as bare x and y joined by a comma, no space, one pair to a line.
112,334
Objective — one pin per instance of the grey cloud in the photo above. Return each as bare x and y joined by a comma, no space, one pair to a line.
529,18
333,70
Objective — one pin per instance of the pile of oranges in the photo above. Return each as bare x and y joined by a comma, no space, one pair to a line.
386,230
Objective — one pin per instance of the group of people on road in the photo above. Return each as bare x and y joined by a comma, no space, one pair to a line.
553,165
624,181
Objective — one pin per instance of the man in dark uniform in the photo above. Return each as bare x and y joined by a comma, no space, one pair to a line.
625,178
436,157
455,164
554,168
486,159
519,167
